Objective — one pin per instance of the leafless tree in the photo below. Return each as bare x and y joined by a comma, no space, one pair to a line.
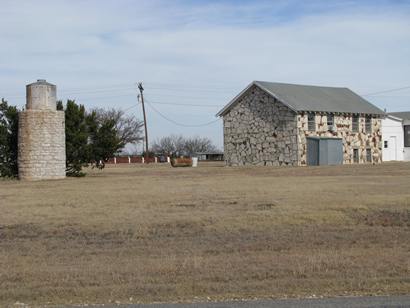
129,128
179,145
168,145
198,144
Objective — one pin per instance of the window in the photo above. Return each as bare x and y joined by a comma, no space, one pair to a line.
369,155
407,135
368,125
355,155
386,144
330,121
355,123
311,122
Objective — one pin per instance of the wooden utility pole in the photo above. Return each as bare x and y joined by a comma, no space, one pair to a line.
145,121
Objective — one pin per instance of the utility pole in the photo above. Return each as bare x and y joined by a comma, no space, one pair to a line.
145,121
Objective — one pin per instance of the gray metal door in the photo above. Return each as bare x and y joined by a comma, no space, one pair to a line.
334,152
312,152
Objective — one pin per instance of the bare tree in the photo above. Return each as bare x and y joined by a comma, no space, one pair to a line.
198,144
129,128
179,145
168,145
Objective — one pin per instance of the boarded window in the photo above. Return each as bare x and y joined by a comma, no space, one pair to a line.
355,123
355,155
407,135
369,155
330,121
311,122
368,125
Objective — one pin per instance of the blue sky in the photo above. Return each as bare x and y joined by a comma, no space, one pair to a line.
202,52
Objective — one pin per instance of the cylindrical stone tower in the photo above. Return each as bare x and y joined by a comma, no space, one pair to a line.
41,135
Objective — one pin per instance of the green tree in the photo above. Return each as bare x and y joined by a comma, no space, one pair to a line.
104,139
8,139
76,134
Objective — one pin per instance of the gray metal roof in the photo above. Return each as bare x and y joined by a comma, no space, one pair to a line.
313,98
404,115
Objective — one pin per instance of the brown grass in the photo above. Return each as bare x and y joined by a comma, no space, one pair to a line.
156,233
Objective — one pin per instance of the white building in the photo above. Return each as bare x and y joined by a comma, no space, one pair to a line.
396,136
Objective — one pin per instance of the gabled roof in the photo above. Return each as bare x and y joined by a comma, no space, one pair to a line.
404,115
312,98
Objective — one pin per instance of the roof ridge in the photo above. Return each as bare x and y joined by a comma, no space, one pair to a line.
297,84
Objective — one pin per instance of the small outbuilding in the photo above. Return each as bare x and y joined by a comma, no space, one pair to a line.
210,156
396,136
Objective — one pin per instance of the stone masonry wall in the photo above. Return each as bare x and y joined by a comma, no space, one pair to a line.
41,145
259,130
360,140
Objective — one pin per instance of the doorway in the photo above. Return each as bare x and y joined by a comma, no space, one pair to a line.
392,148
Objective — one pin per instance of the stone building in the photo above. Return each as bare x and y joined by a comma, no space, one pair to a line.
41,135
272,124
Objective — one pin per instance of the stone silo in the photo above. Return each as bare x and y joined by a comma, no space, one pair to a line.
41,135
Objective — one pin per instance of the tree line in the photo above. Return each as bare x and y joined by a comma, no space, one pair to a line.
92,137
178,145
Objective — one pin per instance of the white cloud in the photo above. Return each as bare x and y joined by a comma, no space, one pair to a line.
93,44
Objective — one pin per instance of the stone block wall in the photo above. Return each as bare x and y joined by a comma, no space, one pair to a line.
259,130
360,140
41,145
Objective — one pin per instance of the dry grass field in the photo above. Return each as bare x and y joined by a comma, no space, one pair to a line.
156,233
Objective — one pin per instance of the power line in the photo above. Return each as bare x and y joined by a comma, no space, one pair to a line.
133,106
104,97
190,97
178,123
69,91
183,85
98,91
189,105
187,89
387,91
99,87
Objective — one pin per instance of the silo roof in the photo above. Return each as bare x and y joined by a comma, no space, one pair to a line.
41,82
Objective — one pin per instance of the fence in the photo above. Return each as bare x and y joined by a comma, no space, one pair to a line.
133,159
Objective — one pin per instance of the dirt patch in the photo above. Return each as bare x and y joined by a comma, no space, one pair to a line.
184,205
383,217
265,206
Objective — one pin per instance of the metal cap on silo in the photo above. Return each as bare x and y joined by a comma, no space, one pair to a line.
41,95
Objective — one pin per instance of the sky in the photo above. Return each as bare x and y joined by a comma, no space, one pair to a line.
201,54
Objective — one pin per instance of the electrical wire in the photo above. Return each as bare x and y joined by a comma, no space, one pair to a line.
170,87
98,91
387,91
182,104
187,86
178,123
69,91
188,89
